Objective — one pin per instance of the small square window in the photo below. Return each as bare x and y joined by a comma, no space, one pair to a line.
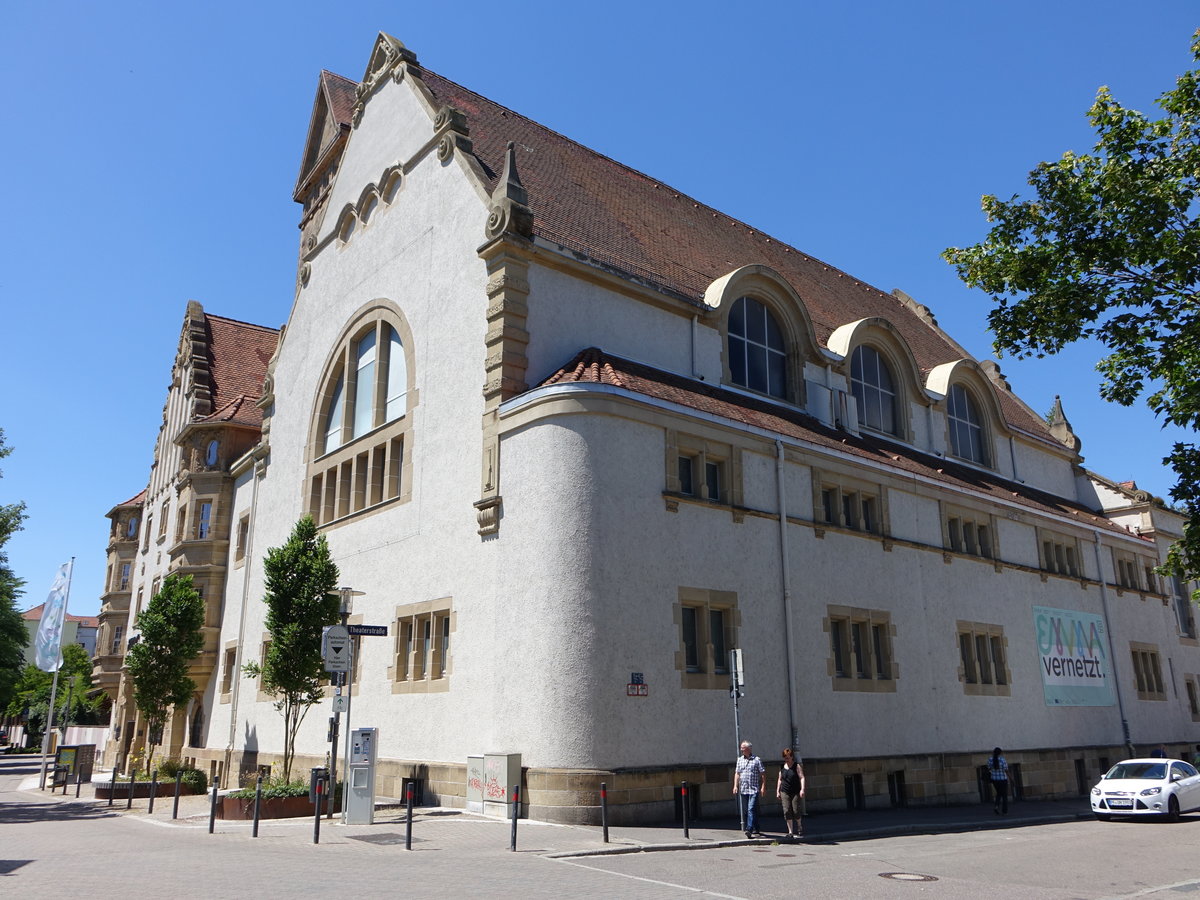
686,478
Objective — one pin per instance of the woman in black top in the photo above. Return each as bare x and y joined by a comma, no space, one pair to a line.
789,790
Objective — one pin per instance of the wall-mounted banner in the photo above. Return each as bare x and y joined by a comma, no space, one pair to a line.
1073,657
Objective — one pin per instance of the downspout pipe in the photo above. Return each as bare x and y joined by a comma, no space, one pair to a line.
786,577
1111,650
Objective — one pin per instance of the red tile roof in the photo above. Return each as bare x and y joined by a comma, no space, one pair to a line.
35,615
622,219
595,366
238,357
340,93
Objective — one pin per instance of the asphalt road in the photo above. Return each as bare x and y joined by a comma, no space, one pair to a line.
52,848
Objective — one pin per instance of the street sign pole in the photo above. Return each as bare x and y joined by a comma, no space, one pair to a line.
736,680
348,678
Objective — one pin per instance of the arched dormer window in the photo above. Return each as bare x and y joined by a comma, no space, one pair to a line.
966,426
874,390
362,427
757,350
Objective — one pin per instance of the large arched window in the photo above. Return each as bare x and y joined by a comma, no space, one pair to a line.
874,390
966,426
362,427
757,351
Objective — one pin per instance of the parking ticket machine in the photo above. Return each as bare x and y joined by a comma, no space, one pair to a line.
360,777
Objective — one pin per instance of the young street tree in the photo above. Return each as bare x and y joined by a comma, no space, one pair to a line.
300,578
1109,249
13,635
158,663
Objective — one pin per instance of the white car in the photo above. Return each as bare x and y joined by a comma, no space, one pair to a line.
1147,787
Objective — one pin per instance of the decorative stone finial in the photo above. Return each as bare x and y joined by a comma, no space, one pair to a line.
510,211
1060,428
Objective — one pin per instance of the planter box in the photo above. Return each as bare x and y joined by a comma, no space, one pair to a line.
274,808
141,790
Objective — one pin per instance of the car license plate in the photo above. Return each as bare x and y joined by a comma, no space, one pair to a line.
1117,803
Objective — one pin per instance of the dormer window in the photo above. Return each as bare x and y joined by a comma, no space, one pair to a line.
966,426
874,390
757,350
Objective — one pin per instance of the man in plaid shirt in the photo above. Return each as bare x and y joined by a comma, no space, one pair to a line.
748,782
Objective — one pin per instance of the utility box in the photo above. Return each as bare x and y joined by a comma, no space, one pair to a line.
359,791
501,773
475,784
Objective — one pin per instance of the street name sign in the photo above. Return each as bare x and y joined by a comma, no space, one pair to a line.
368,630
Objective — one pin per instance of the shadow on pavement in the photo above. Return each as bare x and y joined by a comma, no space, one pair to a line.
10,866
27,813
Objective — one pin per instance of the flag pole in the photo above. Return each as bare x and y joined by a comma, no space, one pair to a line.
54,683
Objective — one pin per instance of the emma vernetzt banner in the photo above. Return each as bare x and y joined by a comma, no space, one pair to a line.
1073,657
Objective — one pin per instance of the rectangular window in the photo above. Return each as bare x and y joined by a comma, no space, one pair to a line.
227,675
1147,671
982,658
1059,554
163,517
1126,567
146,534
1193,700
126,570
969,532
686,480
422,650
712,480
860,643
1183,608
117,635
204,520
707,626
243,537
847,504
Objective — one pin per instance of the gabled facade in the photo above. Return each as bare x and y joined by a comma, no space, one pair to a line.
181,523
575,436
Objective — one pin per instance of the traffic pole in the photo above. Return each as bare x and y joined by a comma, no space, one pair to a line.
132,783
153,790
178,783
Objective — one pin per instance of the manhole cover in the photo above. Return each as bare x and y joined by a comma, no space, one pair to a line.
906,876
386,838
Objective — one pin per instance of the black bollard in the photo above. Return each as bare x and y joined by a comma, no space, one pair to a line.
683,797
178,782
604,809
212,813
408,817
112,787
78,782
132,782
319,783
257,804
153,790
516,794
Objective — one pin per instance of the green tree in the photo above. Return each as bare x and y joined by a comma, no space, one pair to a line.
31,694
300,579
13,635
1108,249
158,663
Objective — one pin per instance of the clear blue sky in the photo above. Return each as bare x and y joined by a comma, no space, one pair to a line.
152,150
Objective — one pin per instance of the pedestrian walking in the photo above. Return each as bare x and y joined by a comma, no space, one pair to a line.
749,785
998,772
789,791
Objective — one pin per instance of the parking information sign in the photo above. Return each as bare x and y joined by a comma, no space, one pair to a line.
335,648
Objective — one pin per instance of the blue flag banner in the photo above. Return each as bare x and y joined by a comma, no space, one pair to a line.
48,643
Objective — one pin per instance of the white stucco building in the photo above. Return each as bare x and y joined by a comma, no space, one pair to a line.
575,436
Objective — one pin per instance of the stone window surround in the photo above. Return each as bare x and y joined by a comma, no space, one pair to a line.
970,521
703,451
383,443
1147,671
842,487
1191,685
705,601
878,623
437,669
999,673
1059,554
228,662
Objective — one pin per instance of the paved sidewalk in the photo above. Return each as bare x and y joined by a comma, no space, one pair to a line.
454,829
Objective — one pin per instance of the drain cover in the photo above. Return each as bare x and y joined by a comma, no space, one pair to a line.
386,838
906,876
